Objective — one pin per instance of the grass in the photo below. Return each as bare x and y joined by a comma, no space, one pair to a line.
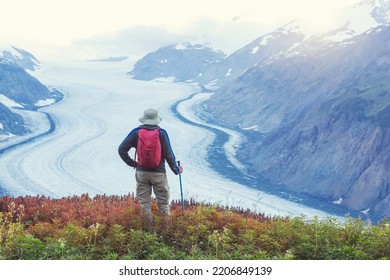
112,228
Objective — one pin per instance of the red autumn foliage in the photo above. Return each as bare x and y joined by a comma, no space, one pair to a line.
109,210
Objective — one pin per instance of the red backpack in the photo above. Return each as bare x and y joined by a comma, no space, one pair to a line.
149,148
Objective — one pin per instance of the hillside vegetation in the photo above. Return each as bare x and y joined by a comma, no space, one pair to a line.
111,227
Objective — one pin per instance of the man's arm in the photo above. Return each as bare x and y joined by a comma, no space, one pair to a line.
129,142
168,152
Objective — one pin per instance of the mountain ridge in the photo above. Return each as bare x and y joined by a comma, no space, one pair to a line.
18,56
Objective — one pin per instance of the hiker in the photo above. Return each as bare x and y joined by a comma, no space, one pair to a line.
150,170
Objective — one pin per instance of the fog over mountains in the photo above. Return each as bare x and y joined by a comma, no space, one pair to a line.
314,103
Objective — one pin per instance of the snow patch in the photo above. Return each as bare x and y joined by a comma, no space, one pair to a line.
212,85
293,29
255,49
186,46
9,102
169,79
229,72
339,201
45,102
5,136
347,43
341,36
293,46
181,46
254,127
264,41
291,51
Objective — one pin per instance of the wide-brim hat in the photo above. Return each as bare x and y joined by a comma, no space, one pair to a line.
150,117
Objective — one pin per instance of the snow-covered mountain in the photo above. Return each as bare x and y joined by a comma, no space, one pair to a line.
179,62
14,55
19,90
297,34
346,23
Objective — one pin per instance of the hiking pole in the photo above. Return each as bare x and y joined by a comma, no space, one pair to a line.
181,191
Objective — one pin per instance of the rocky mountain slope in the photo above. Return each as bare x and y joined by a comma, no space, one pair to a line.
20,57
19,90
260,50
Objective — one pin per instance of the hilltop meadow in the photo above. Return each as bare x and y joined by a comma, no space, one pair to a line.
111,228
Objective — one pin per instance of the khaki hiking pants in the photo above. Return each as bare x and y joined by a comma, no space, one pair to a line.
146,181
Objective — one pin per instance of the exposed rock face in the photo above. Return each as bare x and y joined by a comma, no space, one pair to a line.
21,87
10,122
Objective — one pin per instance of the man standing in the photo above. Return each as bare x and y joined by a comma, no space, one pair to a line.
152,145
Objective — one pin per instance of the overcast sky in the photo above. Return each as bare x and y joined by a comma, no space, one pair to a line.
100,28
